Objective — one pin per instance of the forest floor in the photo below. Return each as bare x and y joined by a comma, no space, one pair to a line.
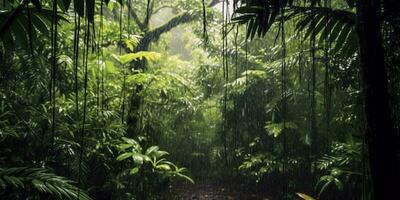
215,190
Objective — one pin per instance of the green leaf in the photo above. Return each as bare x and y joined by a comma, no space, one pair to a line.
160,154
38,185
39,24
125,146
250,25
138,158
147,55
134,171
302,24
336,30
323,188
129,141
304,196
242,19
275,129
338,183
164,167
14,181
124,156
351,45
110,67
346,30
185,177
131,42
326,30
151,150
42,181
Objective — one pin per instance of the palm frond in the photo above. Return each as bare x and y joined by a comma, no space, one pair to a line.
41,180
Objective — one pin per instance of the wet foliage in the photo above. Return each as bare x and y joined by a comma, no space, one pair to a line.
198,99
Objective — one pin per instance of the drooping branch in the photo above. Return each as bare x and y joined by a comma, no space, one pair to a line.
155,34
160,8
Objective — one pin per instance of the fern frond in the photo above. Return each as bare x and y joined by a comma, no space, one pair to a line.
41,180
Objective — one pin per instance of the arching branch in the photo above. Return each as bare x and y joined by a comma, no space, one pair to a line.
155,34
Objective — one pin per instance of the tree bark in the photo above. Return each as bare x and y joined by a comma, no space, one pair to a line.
380,134
155,34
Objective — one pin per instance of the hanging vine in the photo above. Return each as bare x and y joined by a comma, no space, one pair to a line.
124,71
225,75
284,100
99,59
327,80
29,13
54,33
235,108
77,28
86,47
205,34
102,54
313,81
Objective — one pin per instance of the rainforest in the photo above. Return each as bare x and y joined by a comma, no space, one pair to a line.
199,99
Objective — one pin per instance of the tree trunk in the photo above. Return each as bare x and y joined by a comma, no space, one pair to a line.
380,135
133,120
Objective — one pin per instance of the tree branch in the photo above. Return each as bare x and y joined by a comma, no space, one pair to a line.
149,12
160,8
155,34
136,19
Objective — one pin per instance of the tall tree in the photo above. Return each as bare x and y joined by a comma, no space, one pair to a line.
380,135
150,36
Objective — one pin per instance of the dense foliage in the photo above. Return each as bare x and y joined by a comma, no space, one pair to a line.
106,99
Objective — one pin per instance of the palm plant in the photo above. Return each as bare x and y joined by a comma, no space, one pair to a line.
259,16
17,182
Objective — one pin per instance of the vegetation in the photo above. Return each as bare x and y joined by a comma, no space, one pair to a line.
106,99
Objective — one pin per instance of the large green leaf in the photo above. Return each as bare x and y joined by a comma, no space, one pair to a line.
151,150
124,156
147,55
40,180
258,15
334,26
134,171
304,196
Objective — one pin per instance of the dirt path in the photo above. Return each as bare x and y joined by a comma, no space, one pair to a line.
215,190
